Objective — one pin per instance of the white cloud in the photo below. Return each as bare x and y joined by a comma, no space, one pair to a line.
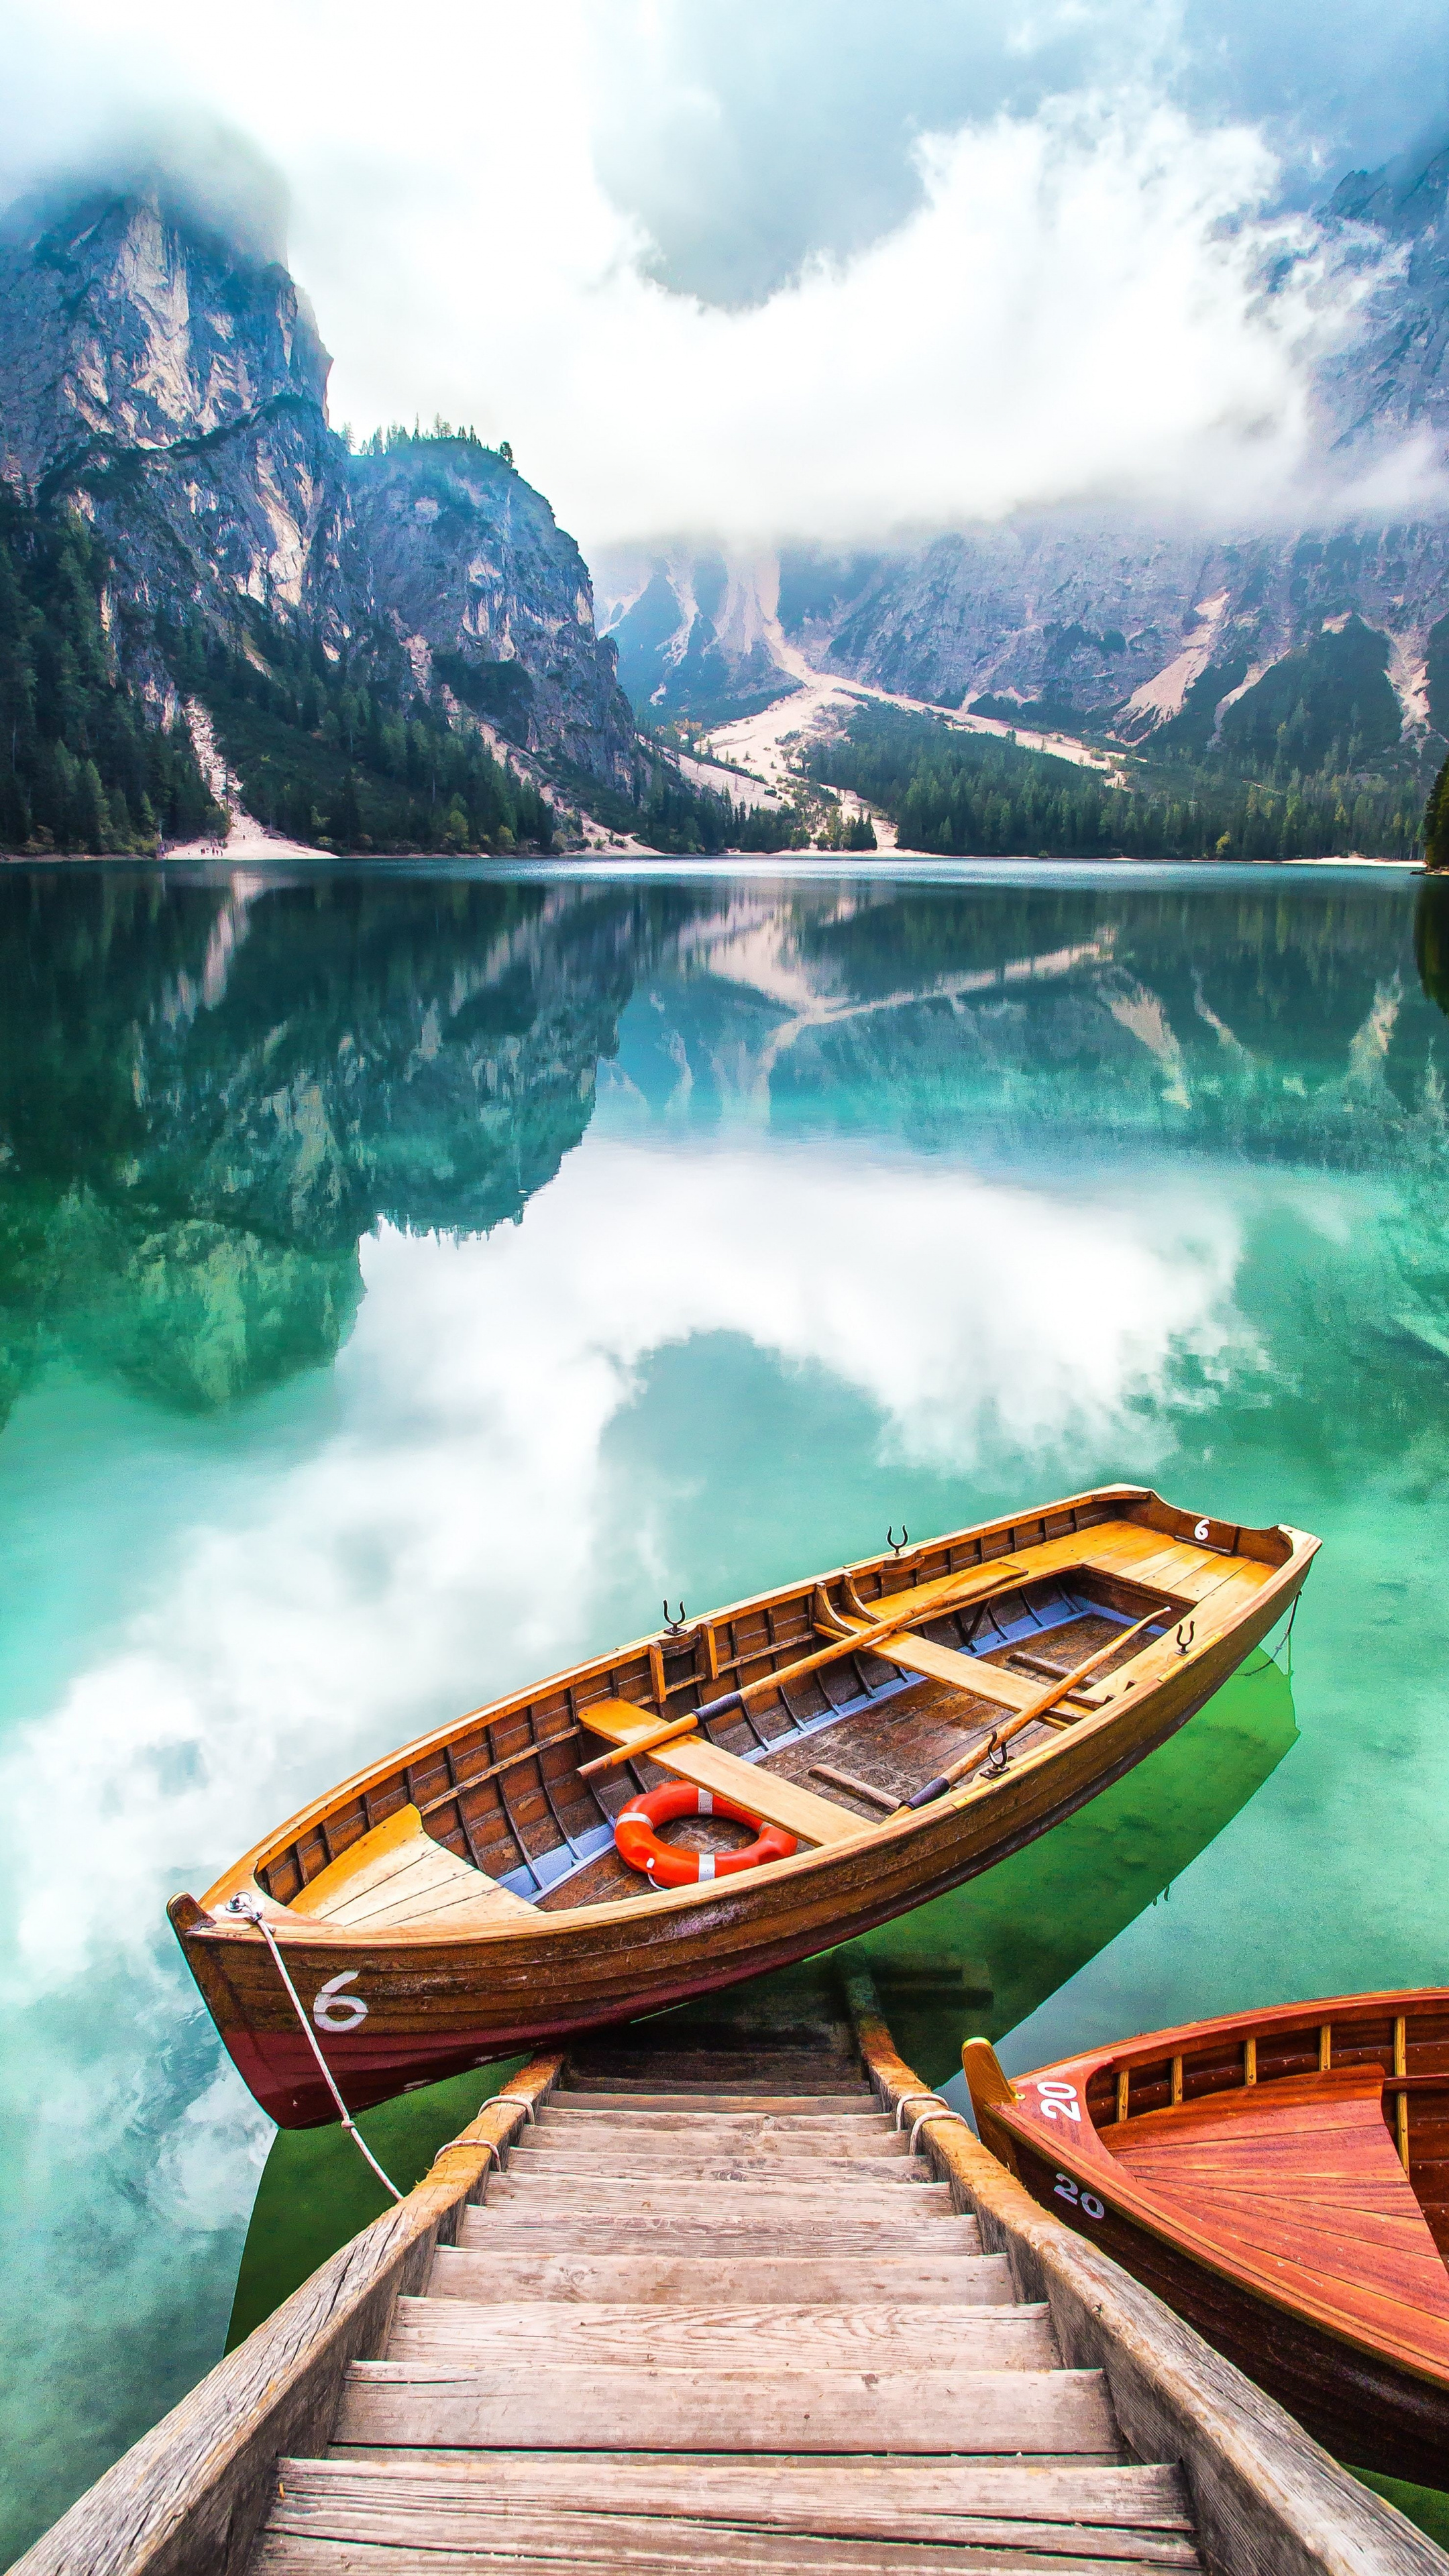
460,1518
1073,310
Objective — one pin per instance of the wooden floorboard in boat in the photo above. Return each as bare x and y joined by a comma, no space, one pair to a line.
1302,2177
812,2366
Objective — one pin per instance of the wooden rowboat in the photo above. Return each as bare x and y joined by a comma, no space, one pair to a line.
1281,2178
462,1899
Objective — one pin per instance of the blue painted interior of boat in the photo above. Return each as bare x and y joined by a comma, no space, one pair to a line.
535,1877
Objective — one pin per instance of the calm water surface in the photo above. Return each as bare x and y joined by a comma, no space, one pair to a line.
407,1278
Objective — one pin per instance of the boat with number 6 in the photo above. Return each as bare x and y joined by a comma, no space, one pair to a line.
1281,2178
900,1723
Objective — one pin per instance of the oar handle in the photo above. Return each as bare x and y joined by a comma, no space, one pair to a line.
933,1789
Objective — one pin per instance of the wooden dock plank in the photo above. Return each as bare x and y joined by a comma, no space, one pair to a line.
784,2336
611,2547
703,2409
643,2276
914,2498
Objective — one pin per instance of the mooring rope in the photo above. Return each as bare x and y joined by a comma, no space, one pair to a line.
1287,1639
248,1906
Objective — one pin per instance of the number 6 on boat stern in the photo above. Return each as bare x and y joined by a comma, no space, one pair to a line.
1281,2178
463,1899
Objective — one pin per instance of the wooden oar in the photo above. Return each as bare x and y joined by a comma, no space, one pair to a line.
858,1639
1027,1716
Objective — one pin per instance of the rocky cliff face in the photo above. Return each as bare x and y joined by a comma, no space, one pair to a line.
483,588
1090,620
1069,618
172,386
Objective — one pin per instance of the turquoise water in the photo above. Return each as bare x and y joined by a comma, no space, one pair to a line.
407,1277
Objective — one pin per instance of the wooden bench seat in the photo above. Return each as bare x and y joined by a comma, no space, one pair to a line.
397,1875
763,1793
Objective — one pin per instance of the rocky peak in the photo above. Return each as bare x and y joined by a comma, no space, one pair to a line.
164,376
123,326
490,596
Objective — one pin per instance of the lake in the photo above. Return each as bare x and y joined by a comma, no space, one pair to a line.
409,1276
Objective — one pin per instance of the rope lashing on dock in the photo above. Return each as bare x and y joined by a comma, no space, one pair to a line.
941,2111
470,2147
248,1906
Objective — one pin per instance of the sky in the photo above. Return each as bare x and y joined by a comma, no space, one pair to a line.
772,268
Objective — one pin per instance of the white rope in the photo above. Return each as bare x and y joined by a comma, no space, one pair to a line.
941,2114
921,2096
248,1906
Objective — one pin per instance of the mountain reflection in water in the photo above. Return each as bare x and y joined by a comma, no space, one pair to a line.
405,1276
211,1092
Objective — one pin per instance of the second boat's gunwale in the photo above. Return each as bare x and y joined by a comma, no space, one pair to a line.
1147,1681
1086,2155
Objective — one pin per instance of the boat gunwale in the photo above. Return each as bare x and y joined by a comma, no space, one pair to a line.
1085,2154
1300,1547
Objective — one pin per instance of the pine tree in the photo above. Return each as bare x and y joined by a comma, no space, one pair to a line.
1436,822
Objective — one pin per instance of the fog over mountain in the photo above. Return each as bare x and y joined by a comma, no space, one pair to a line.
802,274
1085,360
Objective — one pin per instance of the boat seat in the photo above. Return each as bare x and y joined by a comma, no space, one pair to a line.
1299,2172
691,1757
397,1877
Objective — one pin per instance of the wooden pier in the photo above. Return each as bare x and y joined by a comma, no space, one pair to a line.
715,2313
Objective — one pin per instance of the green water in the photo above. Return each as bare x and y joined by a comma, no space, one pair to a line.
407,1277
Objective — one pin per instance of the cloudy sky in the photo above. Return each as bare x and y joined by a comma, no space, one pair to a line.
778,266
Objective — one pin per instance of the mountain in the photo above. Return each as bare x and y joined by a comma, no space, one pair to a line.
169,385
694,632
1090,622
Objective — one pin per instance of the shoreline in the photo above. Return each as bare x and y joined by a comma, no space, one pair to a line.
196,854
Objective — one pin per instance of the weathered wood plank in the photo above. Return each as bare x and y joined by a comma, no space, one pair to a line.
877,2495
874,2161
736,2336
646,2276
782,2491
609,2100
850,2128
556,2149
609,2547
696,2409
880,2192
303,2538
724,2236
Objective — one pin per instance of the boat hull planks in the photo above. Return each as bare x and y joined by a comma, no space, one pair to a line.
417,2001
1303,2250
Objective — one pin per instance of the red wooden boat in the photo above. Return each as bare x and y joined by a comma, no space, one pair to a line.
1281,2178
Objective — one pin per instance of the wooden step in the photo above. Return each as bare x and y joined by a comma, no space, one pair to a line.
641,2104
444,2404
720,2071
618,2122
791,2158
323,2533
655,2545
918,2499
728,2236
878,2187
741,2336
648,2277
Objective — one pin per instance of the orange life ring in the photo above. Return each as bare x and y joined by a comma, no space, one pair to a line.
637,1842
